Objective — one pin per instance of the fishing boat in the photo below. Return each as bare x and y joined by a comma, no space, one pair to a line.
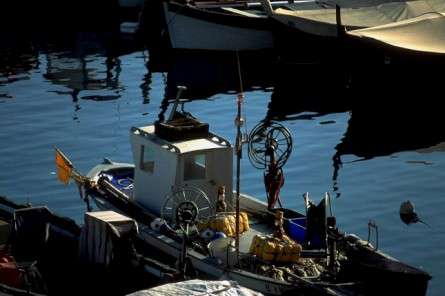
42,253
216,26
176,191
37,250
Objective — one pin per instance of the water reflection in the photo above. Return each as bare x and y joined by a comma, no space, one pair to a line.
296,89
18,56
373,133
208,74
87,63
307,91
146,87
83,72
75,74
395,110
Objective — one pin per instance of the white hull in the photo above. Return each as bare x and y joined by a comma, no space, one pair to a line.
192,33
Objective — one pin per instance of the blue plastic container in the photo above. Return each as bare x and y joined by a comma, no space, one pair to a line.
297,229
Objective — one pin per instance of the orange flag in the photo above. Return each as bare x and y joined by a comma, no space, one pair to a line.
64,167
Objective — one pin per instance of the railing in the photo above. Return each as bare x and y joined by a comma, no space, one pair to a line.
153,138
169,146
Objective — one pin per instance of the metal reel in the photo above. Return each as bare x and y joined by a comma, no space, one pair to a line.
266,139
185,205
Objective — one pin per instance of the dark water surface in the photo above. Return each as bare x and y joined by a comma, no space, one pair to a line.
372,141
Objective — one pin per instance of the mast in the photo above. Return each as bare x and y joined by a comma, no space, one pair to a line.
239,148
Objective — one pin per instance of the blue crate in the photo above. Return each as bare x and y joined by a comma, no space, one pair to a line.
297,229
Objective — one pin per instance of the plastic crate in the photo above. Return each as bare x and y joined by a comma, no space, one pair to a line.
297,229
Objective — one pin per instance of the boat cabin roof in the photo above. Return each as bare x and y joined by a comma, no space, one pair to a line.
210,142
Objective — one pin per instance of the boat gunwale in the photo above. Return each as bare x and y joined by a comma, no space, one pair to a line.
221,18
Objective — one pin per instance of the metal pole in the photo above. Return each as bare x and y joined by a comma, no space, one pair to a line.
238,164
239,147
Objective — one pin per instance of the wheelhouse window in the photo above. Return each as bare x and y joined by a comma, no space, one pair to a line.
147,159
195,167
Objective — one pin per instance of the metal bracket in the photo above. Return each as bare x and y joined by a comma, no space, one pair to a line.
373,225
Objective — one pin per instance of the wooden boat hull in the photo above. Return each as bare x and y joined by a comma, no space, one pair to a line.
200,29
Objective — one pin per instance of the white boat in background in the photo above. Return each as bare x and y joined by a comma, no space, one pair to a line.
423,34
332,18
216,27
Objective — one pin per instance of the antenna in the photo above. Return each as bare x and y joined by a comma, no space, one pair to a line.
239,73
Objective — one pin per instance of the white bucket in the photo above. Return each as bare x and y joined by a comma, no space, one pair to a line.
224,250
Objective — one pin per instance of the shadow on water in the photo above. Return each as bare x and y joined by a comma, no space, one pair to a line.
59,16
18,56
208,75
317,89
395,109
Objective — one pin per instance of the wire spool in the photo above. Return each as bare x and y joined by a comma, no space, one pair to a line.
186,205
266,138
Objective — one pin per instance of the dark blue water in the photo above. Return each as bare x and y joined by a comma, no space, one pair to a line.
371,147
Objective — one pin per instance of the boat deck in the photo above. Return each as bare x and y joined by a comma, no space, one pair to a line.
123,180
256,227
